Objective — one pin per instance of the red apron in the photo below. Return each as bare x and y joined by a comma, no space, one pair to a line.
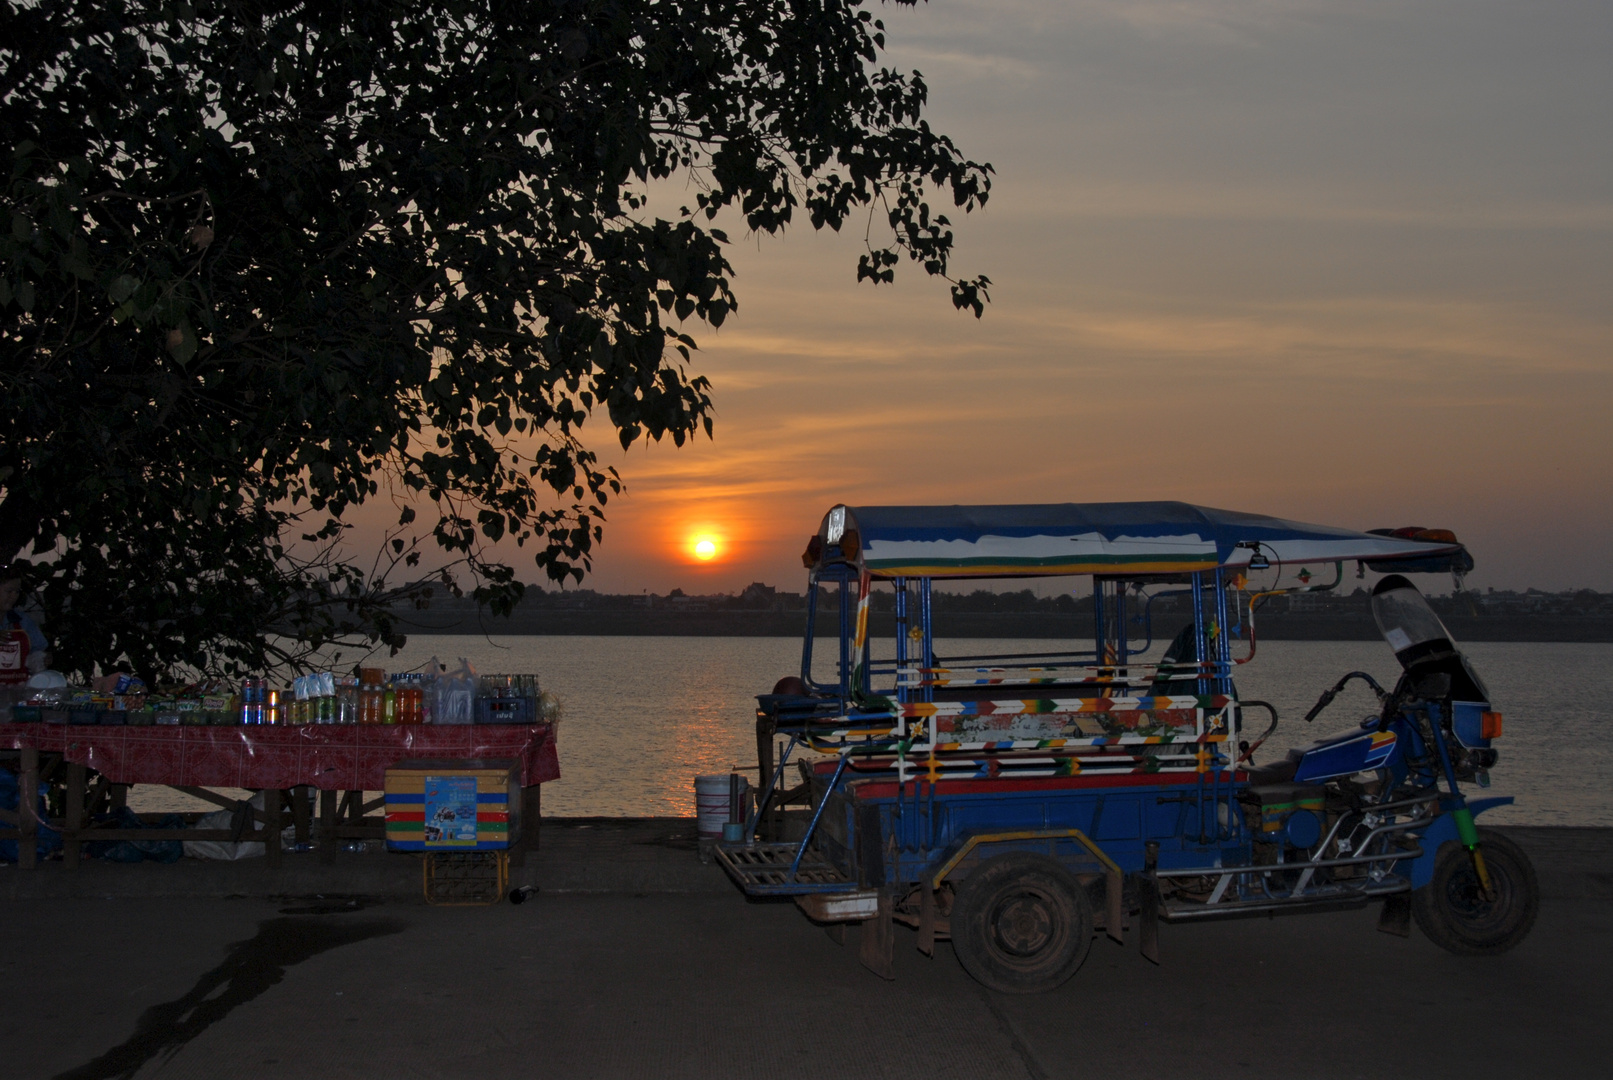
14,647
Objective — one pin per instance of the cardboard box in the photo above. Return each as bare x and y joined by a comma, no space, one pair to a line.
452,806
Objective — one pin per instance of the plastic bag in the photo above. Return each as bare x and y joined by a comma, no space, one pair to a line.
46,840
549,709
222,849
229,851
454,696
133,851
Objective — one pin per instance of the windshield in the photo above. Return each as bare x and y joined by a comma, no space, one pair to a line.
1420,641
1403,616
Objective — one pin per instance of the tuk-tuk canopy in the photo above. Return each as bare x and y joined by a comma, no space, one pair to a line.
1138,538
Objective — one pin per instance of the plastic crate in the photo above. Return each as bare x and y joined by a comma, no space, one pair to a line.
512,710
473,878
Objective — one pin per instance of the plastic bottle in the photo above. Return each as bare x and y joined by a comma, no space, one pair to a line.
389,705
345,691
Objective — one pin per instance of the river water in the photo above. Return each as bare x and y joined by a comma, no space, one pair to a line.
644,715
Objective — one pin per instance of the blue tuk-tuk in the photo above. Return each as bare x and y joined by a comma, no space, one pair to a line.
1020,804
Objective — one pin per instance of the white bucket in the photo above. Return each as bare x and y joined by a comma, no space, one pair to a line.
711,804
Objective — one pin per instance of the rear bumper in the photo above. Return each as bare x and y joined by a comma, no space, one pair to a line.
765,870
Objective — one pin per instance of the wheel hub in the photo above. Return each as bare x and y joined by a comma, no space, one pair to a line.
1022,925
1468,902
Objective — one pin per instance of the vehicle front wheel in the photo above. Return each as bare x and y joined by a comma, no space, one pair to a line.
1456,915
1021,924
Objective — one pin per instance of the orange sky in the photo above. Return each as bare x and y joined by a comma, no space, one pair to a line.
1341,262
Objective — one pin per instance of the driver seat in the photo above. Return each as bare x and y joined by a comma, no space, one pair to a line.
1278,772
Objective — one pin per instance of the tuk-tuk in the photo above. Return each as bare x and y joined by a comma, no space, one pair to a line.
1021,804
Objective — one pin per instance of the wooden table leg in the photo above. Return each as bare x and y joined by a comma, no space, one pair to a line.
75,814
271,828
531,811
27,808
300,817
327,826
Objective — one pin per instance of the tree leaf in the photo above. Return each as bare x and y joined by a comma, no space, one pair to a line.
122,287
181,342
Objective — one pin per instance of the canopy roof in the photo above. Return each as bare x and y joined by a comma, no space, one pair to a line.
1143,538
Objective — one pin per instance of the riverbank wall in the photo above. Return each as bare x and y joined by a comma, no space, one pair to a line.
1287,626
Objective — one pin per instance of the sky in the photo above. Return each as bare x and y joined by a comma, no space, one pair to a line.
1346,262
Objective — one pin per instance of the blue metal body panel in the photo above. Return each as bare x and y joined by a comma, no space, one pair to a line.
1467,722
1345,755
1442,831
1193,824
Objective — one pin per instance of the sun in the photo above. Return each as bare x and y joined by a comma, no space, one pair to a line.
705,549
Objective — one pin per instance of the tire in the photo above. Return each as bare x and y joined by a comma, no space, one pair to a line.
1021,924
1454,914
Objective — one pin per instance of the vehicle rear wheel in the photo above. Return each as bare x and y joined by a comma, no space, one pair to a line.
1021,924
1455,914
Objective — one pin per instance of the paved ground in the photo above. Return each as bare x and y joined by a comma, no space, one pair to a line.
703,984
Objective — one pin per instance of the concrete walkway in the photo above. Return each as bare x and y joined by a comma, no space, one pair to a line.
605,855
659,980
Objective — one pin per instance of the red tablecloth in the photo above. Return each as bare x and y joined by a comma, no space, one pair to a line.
334,757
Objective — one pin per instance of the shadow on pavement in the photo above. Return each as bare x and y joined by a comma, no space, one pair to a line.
252,967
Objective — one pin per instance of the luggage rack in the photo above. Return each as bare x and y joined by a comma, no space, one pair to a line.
764,870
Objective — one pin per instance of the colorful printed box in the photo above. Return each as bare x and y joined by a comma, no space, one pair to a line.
453,805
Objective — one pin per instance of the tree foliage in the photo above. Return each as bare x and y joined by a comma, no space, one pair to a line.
262,264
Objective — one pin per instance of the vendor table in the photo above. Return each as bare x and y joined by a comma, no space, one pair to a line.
341,761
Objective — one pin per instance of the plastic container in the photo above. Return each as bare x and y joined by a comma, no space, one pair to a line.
347,700
712,804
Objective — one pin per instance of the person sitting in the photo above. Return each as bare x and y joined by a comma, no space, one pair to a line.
23,648
1178,672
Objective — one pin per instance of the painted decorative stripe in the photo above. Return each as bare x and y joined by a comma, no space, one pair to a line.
1037,744
1040,706
1008,566
1383,745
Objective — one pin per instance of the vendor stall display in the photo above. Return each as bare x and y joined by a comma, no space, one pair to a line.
87,746
372,697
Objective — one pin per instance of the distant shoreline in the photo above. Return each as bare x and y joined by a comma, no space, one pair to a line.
1273,627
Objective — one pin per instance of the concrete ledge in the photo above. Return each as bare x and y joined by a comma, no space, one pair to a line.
591,855
608,855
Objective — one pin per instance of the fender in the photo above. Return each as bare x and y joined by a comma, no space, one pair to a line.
1443,831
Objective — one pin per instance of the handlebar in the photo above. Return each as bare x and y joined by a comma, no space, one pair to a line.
1328,695
1247,750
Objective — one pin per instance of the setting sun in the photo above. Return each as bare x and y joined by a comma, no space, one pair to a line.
705,548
